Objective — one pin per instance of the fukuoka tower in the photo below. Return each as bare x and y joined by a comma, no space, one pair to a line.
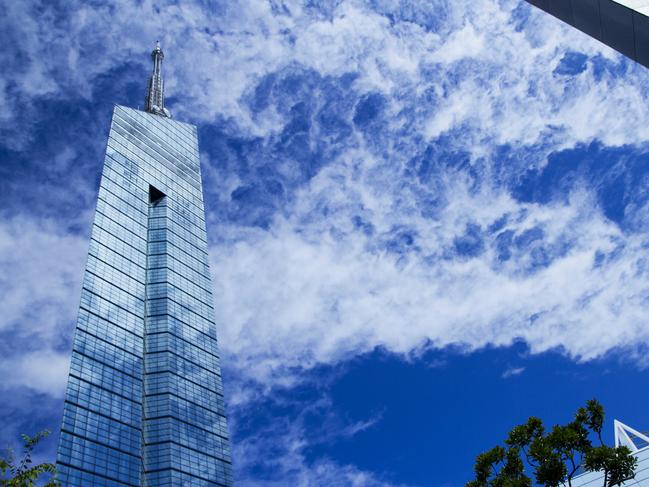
144,400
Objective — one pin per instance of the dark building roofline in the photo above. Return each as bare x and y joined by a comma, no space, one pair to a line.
624,29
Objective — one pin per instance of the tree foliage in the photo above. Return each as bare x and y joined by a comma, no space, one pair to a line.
21,473
533,456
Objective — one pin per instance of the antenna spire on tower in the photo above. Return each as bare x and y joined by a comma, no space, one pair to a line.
155,95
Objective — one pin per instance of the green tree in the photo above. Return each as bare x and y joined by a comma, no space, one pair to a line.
21,472
532,456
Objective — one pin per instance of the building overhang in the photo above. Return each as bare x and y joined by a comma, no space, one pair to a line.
620,24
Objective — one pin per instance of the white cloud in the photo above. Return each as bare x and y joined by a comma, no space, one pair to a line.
216,55
512,372
297,296
42,371
40,284
277,451
302,294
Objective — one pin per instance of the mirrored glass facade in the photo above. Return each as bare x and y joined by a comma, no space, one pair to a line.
144,402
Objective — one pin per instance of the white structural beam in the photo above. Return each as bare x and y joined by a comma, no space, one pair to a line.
623,435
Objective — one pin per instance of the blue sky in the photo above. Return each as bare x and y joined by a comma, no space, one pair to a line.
427,220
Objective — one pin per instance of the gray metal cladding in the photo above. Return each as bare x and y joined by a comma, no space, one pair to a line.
622,25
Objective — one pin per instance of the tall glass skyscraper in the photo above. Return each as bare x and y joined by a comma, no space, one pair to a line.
144,402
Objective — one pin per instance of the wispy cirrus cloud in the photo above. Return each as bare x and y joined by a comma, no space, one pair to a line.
276,451
407,227
378,174
556,276
483,61
513,372
39,291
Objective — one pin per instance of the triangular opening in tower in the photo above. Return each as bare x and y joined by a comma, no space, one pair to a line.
155,194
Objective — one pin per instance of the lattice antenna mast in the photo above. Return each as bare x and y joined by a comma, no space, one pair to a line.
155,94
